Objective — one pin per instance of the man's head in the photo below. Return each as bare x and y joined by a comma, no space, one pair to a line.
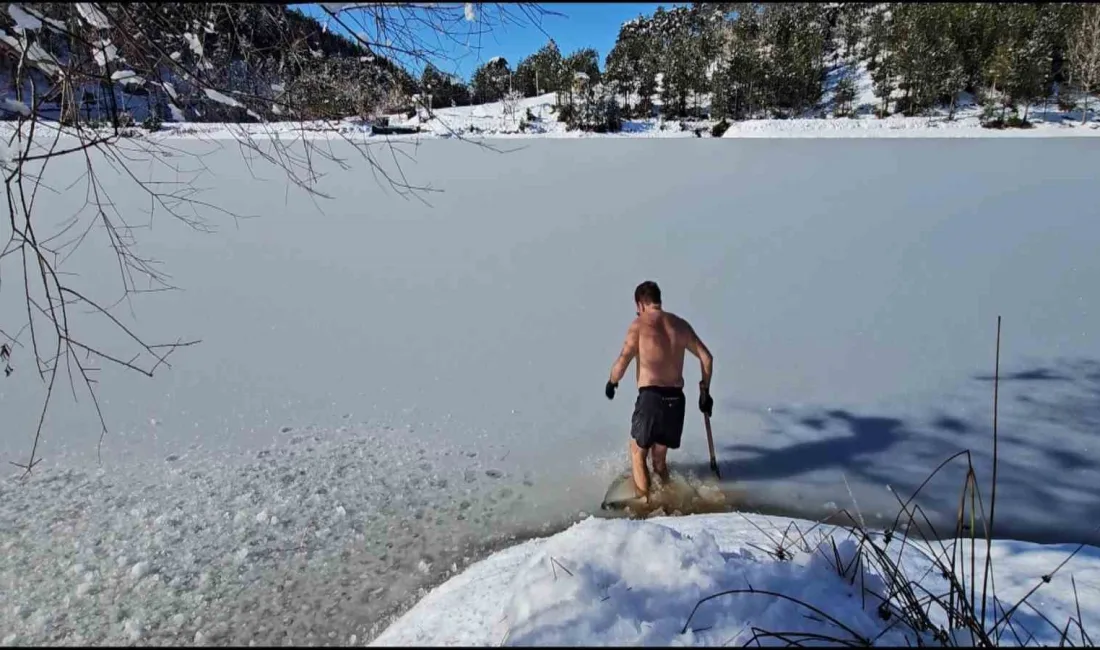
647,295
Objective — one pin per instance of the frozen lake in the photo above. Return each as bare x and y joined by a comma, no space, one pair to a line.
456,353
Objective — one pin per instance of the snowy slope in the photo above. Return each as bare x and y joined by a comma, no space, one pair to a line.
622,583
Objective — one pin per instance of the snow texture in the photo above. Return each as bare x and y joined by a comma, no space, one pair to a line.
26,18
23,20
630,583
194,42
93,16
176,113
42,59
128,77
15,106
220,97
105,53
322,536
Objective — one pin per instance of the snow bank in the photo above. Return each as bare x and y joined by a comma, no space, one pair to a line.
633,583
536,117
618,582
965,126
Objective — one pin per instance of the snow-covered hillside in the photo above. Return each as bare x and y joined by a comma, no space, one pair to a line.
537,116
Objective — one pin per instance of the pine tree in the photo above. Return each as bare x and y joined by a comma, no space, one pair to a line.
584,64
524,80
632,64
548,68
739,81
844,95
672,40
881,46
491,81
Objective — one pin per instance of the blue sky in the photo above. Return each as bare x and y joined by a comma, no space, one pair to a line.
582,25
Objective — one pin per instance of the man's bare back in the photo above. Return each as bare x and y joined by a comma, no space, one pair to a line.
658,339
661,338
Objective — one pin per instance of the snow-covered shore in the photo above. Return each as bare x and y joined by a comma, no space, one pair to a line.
621,582
495,121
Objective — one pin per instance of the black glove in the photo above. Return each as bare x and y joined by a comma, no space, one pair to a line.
609,389
706,404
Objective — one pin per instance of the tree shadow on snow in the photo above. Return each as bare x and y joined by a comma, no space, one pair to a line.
867,435
1048,480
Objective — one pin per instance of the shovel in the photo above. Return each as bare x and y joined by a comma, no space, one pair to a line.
710,444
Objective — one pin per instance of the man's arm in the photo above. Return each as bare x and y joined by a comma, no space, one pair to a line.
629,351
706,361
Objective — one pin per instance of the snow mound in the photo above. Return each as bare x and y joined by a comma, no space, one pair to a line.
695,581
636,583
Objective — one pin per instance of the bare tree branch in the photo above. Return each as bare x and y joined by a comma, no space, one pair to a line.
83,76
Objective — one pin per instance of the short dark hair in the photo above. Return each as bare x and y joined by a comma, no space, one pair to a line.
647,293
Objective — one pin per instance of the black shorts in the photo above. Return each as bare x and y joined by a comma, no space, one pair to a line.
658,417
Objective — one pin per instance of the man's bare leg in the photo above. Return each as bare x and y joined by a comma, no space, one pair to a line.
641,472
660,464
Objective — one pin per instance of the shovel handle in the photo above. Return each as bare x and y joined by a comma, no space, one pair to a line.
710,445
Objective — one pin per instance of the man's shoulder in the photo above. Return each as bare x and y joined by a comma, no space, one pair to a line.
680,321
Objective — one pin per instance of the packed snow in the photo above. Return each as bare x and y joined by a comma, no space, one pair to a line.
631,583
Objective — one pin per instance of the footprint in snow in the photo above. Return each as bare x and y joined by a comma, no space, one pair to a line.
494,473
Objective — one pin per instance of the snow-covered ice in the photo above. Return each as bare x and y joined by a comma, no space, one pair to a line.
849,291
325,535
425,365
628,583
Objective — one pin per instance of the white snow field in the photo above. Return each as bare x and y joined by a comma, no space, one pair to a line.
385,387
628,583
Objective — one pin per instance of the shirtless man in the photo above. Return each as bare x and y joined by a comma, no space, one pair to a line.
658,339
